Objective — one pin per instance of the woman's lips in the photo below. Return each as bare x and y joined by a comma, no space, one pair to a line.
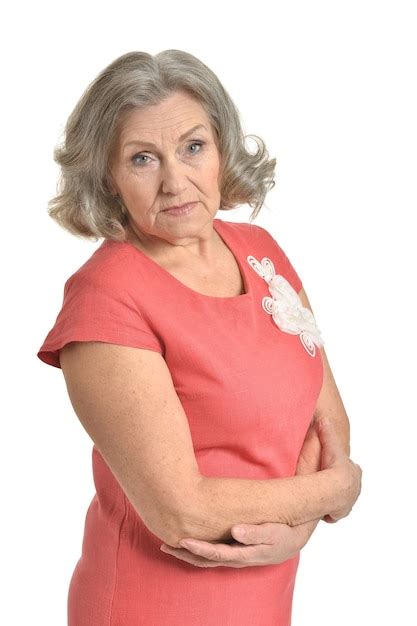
182,210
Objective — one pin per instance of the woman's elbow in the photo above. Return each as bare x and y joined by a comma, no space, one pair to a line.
190,518
175,519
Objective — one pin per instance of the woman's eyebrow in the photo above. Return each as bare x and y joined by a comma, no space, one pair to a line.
152,145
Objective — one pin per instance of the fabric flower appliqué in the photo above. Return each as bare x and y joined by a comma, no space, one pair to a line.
285,306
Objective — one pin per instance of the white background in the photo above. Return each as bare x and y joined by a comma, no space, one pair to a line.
331,87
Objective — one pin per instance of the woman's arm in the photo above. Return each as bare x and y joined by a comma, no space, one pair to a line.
223,502
262,544
126,400
304,497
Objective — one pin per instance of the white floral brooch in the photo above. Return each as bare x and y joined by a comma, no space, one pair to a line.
285,306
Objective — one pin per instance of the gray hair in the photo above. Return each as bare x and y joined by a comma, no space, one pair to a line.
84,204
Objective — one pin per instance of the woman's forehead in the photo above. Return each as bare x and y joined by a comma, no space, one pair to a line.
147,126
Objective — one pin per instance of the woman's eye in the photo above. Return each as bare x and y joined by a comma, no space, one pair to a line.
196,143
140,156
136,159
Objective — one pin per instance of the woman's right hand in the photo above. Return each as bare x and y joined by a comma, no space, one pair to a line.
348,474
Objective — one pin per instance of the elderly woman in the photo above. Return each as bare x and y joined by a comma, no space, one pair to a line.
192,359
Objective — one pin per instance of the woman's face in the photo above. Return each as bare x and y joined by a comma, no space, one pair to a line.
181,166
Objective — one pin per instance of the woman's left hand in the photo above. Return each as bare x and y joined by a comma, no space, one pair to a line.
263,544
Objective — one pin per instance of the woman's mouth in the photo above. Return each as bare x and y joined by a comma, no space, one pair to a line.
184,209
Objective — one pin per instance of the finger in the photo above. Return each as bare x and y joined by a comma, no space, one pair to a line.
255,534
212,551
237,561
188,557
234,555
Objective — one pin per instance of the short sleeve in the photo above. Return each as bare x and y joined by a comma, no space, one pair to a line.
288,270
97,309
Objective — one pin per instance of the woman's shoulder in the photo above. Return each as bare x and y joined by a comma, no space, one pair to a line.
107,266
254,233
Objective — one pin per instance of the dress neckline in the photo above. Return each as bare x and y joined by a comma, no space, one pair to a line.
220,230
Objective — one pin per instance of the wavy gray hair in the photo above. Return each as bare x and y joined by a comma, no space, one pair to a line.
84,204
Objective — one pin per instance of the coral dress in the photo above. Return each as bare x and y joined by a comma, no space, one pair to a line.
249,390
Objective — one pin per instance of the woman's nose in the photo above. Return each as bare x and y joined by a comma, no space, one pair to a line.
174,179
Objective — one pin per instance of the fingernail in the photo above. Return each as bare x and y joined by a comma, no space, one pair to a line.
239,531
